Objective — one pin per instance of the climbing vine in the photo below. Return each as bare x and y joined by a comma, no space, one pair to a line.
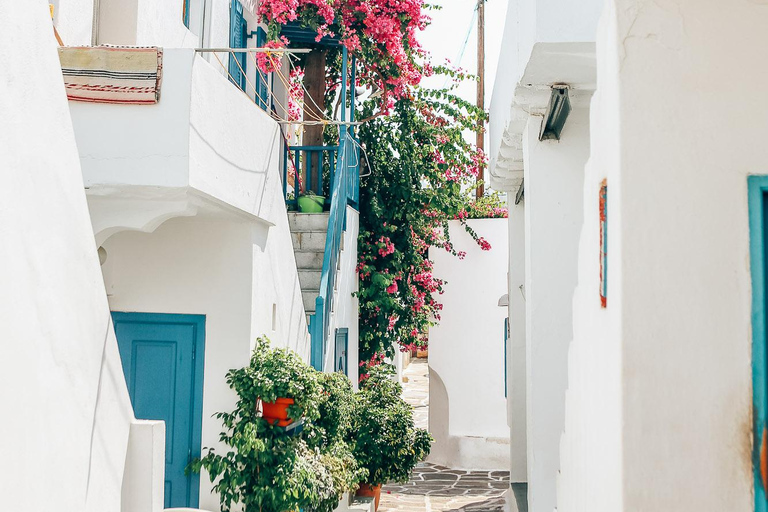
418,172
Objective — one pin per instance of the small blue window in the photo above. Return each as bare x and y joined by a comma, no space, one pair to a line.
340,353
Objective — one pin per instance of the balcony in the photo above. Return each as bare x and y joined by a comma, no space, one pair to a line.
204,149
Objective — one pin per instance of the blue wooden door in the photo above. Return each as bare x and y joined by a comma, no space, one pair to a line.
162,358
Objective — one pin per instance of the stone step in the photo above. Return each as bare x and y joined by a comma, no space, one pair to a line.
308,241
308,221
309,279
309,260
308,297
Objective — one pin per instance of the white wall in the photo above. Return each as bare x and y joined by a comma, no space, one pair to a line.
345,314
516,350
544,41
73,20
66,412
466,352
219,269
554,173
677,325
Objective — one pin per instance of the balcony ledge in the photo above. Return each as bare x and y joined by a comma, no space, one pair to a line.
203,149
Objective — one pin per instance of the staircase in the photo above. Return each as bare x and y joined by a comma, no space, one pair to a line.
308,232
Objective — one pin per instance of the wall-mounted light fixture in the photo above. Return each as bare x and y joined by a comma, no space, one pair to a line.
557,112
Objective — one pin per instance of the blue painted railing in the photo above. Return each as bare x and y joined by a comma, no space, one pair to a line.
345,190
317,162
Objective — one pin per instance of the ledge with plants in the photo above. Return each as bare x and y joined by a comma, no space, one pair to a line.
348,438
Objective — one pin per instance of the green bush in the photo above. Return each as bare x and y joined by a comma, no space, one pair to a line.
266,470
387,444
274,373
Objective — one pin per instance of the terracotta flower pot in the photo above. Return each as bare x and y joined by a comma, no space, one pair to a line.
277,411
368,491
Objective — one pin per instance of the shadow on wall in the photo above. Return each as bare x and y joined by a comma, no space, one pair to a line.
439,414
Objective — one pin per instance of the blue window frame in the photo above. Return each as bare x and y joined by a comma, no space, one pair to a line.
262,91
506,338
758,216
340,353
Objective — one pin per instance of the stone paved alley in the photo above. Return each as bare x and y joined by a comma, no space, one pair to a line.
434,488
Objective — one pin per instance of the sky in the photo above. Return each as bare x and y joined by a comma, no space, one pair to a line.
453,35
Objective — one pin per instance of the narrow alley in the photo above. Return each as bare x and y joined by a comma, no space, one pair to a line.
435,488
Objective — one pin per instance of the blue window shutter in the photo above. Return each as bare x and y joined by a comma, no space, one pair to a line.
261,78
237,30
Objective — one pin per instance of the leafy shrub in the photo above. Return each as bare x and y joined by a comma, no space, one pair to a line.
266,470
387,444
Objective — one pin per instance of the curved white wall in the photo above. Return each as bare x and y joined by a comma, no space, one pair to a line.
66,412
466,351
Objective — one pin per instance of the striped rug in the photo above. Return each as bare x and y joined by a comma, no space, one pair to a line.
112,74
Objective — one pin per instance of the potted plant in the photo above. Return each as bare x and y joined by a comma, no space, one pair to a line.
310,202
387,444
280,381
264,469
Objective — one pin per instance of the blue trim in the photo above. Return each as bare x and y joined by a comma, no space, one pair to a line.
341,351
185,14
758,208
506,338
262,94
196,420
344,189
238,29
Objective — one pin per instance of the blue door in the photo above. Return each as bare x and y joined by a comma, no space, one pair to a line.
162,358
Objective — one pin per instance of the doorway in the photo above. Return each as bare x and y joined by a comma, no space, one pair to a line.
162,357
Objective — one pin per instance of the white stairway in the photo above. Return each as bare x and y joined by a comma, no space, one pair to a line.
308,232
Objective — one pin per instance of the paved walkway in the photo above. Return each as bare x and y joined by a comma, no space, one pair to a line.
416,390
434,488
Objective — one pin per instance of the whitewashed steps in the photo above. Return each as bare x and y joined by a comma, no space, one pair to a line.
308,233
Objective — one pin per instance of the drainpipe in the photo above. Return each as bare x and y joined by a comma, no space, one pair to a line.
95,25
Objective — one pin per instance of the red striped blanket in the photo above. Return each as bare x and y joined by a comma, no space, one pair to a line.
112,74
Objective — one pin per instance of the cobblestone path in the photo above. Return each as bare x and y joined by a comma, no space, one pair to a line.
434,488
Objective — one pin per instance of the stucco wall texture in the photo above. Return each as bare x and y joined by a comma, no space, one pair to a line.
59,354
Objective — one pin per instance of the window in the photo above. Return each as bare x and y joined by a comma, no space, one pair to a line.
340,354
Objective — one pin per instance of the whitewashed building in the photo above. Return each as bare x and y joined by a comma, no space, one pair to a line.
539,143
199,257
660,262
467,380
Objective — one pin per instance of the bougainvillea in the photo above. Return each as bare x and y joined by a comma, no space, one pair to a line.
419,173
380,33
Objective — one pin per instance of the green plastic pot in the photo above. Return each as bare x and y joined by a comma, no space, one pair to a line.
311,204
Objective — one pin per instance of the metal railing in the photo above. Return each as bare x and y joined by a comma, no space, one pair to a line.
344,190
308,169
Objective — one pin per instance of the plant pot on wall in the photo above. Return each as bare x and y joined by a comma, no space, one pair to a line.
311,203
371,491
277,411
